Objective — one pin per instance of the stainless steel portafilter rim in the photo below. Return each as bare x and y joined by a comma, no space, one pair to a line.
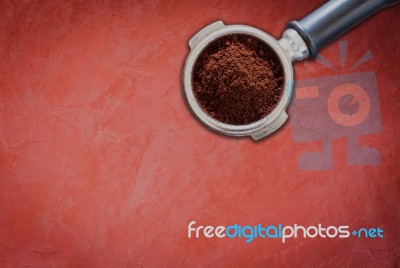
265,125
301,39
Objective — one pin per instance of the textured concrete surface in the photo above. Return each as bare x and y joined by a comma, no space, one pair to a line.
102,164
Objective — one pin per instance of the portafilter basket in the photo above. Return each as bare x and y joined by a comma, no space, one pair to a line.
302,39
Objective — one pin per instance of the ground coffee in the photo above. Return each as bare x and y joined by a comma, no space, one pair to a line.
238,79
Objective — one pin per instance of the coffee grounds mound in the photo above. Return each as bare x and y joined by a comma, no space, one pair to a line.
238,79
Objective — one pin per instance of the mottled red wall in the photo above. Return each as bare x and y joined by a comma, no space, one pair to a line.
102,164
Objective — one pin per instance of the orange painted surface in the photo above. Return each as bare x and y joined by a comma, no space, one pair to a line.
102,164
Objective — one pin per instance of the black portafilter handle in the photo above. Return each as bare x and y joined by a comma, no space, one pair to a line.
333,19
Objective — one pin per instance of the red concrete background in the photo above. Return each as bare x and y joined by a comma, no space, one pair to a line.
102,164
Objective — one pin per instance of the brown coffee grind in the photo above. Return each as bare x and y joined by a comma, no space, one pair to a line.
238,79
